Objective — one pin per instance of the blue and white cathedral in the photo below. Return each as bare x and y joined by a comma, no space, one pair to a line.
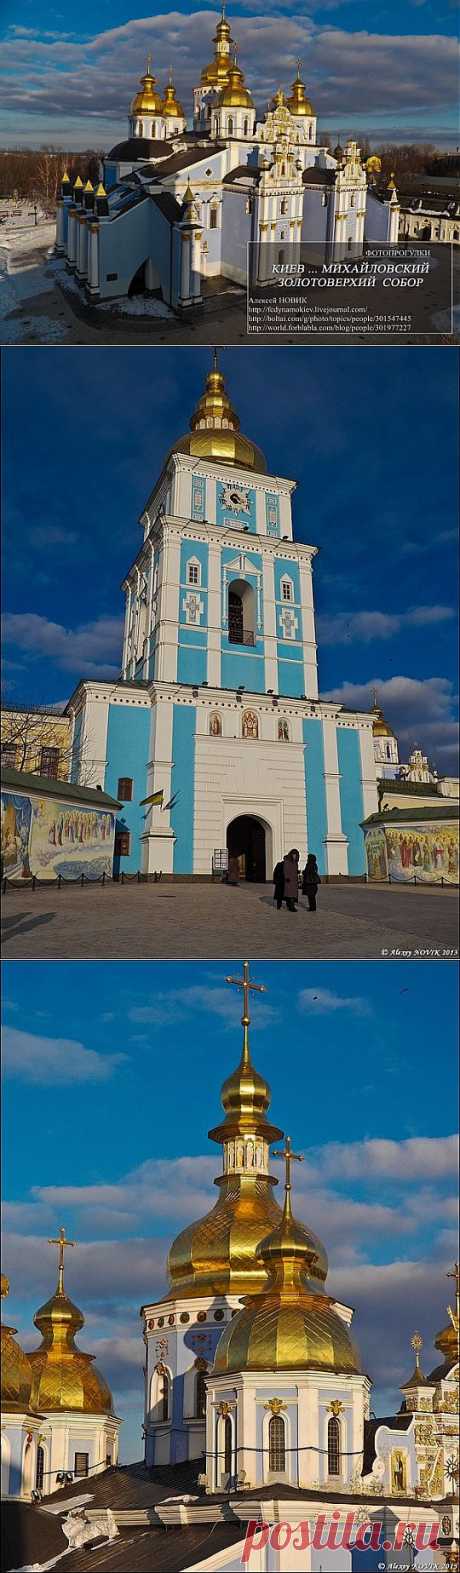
216,711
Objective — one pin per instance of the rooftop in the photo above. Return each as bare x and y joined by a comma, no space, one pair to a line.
46,786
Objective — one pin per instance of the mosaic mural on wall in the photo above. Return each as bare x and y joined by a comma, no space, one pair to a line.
46,837
427,852
15,835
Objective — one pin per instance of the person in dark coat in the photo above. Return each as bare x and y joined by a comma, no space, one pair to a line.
286,881
310,881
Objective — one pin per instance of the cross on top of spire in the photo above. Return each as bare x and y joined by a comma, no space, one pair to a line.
289,1158
247,988
61,1243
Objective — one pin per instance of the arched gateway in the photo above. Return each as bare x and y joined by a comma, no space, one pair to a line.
247,842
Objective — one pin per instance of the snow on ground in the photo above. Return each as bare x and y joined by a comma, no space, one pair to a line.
20,286
138,306
27,239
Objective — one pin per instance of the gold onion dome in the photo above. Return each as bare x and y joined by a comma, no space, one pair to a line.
236,95
292,1324
172,109
218,1253
16,1373
63,1376
216,74
380,726
298,103
447,1341
147,100
215,430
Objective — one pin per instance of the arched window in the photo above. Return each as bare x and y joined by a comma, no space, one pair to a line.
200,1396
241,613
164,1395
398,1472
213,218
250,724
216,128
283,730
333,1446
283,206
227,1445
141,128
276,1444
40,1469
230,127
245,127
287,589
215,726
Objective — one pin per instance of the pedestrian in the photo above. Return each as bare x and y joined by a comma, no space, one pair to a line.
286,880
310,881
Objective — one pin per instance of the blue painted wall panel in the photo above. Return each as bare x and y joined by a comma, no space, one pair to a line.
191,664
128,750
244,667
315,790
183,782
351,797
290,677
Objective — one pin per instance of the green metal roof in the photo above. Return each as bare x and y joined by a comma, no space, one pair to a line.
45,786
404,816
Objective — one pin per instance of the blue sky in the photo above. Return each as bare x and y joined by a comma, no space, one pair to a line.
389,70
369,434
112,1080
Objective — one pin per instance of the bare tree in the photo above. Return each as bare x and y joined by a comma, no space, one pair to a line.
28,730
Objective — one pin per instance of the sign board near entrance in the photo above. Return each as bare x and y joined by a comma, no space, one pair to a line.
220,860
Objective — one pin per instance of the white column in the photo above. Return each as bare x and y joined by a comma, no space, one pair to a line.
195,258
368,771
157,840
336,842
214,617
270,643
308,627
72,236
93,257
185,268
169,614
126,631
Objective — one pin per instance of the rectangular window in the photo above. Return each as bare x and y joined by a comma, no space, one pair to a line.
81,1465
125,789
122,843
49,762
213,219
9,752
193,573
287,590
111,277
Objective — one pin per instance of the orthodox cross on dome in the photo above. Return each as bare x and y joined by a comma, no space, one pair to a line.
454,1315
149,63
416,1345
247,988
61,1246
289,1157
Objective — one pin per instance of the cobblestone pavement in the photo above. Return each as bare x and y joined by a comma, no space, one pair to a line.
176,921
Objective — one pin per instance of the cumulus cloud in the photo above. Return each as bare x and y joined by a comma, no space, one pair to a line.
84,86
89,649
323,1001
178,1004
28,1056
422,712
415,1158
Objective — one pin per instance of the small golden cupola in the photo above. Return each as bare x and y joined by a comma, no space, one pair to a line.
380,727
447,1341
216,74
147,101
297,103
215,429
218,1254
16,1372
292,1323
172,109
64,1378
236,95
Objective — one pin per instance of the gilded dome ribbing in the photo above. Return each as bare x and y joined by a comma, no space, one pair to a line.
63,1376
292,1324
16,1369
215,430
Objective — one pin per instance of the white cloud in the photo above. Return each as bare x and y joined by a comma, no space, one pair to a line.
178,1004
30,1057
415,1158
363,627
323,1001
422,711
88,650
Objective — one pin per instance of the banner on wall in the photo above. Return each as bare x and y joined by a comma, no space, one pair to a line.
46,838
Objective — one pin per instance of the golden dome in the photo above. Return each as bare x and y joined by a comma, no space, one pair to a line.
298,103
216,74
148,101
380,726
63,1376
374,164
236,95
217,1254
215,430
16,1369
292,1324
172,109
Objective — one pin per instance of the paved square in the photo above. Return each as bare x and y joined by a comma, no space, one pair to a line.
189,921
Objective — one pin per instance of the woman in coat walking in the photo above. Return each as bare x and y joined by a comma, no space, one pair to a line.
310,881
286,881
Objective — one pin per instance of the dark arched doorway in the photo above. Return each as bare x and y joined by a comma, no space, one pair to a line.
246,843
